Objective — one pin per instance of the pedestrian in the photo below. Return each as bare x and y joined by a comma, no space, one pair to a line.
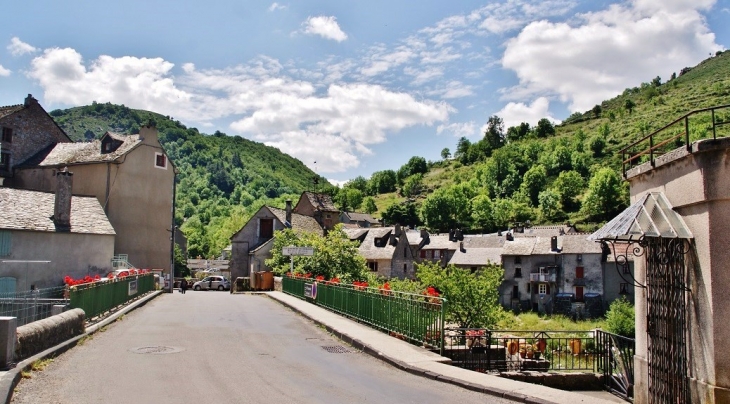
183,285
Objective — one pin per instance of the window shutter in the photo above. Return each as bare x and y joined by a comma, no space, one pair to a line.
423,253
5,243
578,272
547,289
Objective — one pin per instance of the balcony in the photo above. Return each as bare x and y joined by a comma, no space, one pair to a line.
542,278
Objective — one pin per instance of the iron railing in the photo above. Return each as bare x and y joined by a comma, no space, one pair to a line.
616,362
705,122
418,319
100,297
32,305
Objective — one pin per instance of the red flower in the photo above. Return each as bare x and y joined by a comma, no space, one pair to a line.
431,291
335,280
319,278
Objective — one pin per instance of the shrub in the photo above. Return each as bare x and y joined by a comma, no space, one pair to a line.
620,318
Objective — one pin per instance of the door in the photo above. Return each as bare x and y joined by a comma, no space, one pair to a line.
579,293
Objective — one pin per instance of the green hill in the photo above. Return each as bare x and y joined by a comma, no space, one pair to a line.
544,173
222,179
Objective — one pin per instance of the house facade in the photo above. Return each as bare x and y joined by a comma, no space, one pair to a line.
132,179
251,245
355,219
46,236
388,253
25,129
320,207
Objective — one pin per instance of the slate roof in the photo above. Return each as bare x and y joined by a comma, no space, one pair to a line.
355,233
369,250
361,217
578,244
490,241
474,256
519,246
299,222
544,231
32,210
321,202
80,153
440,242
9,110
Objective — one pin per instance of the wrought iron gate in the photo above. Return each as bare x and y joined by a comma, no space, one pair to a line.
666,319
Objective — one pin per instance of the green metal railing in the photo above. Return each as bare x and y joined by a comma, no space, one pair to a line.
418,319
99,297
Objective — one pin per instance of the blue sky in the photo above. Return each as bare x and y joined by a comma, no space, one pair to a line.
357,86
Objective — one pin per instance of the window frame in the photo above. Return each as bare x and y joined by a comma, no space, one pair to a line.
518,272
157,157
542,288
7,134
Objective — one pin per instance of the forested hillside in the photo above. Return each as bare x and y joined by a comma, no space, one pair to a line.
222,179
546,173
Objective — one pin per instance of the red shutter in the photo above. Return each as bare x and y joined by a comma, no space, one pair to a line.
578,272
423,253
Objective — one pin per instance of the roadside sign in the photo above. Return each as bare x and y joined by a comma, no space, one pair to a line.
298,251
310,290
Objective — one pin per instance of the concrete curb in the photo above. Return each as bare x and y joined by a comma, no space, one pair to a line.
424,371
11,378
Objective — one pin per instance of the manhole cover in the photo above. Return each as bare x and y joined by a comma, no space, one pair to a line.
336,349
156,350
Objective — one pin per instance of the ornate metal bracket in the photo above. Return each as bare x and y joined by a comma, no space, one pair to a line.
621,257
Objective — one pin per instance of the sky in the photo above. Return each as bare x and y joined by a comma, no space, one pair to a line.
351,87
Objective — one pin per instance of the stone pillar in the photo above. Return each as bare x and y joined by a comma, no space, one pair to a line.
697,184
8,328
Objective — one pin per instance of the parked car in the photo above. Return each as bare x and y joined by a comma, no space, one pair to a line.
212,283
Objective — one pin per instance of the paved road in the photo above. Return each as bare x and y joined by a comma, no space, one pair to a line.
221,348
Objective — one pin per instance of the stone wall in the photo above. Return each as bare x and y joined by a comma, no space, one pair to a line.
43,334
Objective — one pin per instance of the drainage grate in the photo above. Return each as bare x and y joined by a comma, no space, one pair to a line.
156,350
336,349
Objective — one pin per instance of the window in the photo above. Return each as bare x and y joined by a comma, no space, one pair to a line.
4,161
7,135
578,272
160,161
5,243
266,228
373,266
518,272
437,254
579,258
515,292
405,268
518,260
623,288
542,288
405,252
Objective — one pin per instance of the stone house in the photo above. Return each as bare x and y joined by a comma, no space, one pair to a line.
475,252
131,177
320,207
46,236
26,129
388,253
355,219
251,245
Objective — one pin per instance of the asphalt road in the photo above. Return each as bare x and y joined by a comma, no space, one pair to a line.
214,347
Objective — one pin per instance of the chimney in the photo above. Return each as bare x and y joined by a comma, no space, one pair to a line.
397,230
288,211
424,234
461,246
554,243
30,100
393,239
62,206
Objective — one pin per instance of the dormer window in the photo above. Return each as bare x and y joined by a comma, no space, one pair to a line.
4,160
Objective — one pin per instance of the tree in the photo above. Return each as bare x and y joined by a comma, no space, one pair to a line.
370,206
515,133
181,264
481,212
620,318
494,134
383,182
404,214
605,196
445,153
413,185
596,111
462,150
533,182
416,165
359,183
544,128
629,105
568,186
349,199
334,255
549,203
597,144
473,298
447,207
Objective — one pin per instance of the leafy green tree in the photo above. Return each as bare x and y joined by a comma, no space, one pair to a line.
383,182
629,105
334,255
533,182
445,153
473,298
349,199
416,165
462,150
413,185
405,214
621,318
370,206
561,160
181,264
500,174
515,133
549,204
568,186
544,128
481,212
606,195
494,134
596,111
447,208
597,145
359,183
502,212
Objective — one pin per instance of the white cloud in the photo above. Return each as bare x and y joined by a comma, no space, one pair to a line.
324,26
453,89
19,48
276,6
444,55
381,61
458,129
514,114
608,50
421,76
4,72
